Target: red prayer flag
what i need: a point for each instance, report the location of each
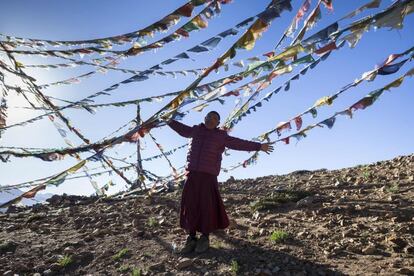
(327, 48)
(298, 122)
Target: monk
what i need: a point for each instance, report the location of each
(202, 209)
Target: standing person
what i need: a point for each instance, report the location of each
(202, 209)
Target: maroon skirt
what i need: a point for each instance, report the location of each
(202, 208)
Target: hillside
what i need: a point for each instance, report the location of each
(353, 221)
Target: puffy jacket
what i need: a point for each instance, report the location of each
(207, 146)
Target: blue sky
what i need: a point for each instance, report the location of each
(382, 131)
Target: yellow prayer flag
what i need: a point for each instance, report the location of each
(171, 19)
(76, 167)
(323, 101)
(19, 64)
(179, 99)
(248, 40)
(289, 52)
(258, 28)
(227, 55)
(200, 22)
(394, 84)
(284, 70)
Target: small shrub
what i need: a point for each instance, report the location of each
(278, 236)
(7, 246)
(278, 199)
(250, 238)
(395, 188)
(152, 222)
(217, 244)
(366, 174)
(123, 268)
(65, 261)
(146, 254)
(235, 267)
(136, 272)
(121, 254)
(35, 217)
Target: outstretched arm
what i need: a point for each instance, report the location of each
(240, 144)
(181, 128)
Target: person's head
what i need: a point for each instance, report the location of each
(212, 120)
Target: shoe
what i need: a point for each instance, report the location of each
(189, 246)
(203, 244)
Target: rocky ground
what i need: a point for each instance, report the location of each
(354, 221)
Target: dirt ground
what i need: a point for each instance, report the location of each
(353, 221)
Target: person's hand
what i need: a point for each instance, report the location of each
(267, 147)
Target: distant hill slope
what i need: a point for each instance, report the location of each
(9, 195)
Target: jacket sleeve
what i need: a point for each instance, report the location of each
(181, 129)
(240, 144)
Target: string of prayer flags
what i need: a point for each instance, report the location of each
(137, 48)
(392, 17)
(196, 23)
(112, 87)
(144, 75)
(85, 103)
(368, 100)
(237, 116)
(86, 100)
(77, 79)
(207, 45)
(328, 100)
(290, 52)
(162, 25)
(329, 122)
(36, 182)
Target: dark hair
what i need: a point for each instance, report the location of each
(215, 112)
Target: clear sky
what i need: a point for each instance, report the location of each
(382, 131)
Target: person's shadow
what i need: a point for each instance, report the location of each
(246, 257)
